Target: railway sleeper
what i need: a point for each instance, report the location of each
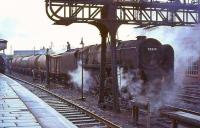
(191, 101)
(83, 121)
(191, 92)
(64, 108)
(188, 96)
(48, 98)
(72, 113)
(44, 97)
(79, 118)
(75, 116)
(187, 100)
(192, 87)
(37, 91)
(67, 111)
(54, 102)
(59, 105)
(93, 124)
(104, 126)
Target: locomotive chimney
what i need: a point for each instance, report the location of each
(141, 37)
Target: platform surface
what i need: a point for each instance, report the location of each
(19, 108)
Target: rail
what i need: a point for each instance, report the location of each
(78, 107)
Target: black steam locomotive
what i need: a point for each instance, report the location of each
(146, 58)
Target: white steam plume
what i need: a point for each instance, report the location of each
(129, 84)
(76, 78)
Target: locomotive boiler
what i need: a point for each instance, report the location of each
(147, 56)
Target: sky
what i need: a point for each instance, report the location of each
(25, 25)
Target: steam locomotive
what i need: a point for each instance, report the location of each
(145, 57)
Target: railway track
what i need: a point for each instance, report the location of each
(189, 98)
(187, 101)
(81, 117)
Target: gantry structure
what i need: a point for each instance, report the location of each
(108, 15)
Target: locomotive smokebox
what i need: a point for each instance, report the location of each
(141, 37)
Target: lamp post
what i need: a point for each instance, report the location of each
(82, 98)
(47, 65)
(34, 50)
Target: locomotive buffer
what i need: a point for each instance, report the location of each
(108, 15)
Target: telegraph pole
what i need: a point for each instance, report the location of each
(47, 67)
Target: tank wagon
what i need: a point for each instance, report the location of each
(146, 58)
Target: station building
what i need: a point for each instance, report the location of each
(29, 52)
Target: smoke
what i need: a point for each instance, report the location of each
(129, 84)
(76, 78)
(185, 42)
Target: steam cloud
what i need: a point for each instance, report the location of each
(76, 78)
(129, 84)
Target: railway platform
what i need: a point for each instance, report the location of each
(19, 108)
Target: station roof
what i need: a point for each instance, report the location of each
(3, 41)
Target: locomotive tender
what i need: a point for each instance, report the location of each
(147, 56)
